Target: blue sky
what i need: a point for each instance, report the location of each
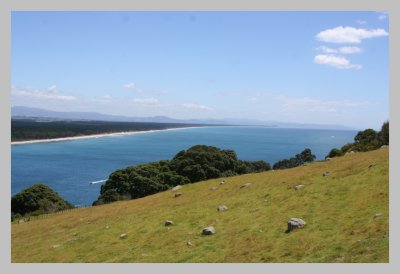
(307, 67)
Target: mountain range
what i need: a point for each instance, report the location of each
(18, 112)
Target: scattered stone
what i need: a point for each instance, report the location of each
(175, 188)
(265, 200)
(56, 246)
(122, 236)
(222, 182)
(326, 173)
(328, 159)
(384, 146)
(222, 208)
(189, 244)
(107, 227)
(351, 152)
(21, 221)
(377, 215)
(208, 230)
(213, 188)
(371, 165)
(177, 194)
(245, 185)
(168, 223)
(254, 210)
(298, 187)
(295, 223)
(261, 230)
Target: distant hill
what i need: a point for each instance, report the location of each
(346, 215)
(24, 112)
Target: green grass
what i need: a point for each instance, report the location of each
(339, 210)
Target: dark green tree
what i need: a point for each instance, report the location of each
(38, 199)
(383, 134)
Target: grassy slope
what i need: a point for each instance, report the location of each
(338, 209)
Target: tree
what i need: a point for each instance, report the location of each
(335, 153)
(38, 199)
(366, 140)
(303, 157)
(383, 135)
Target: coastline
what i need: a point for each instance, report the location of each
(72, 138)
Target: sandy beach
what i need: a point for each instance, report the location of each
(93, 136)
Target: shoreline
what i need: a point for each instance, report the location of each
(72, 138)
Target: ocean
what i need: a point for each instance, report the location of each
(70, 167)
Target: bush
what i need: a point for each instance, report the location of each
(303, 157)
(335, 153)
(37, 199)
(196, 164)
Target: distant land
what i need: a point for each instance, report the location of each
(18, 112)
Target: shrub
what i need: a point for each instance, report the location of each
(37, 199)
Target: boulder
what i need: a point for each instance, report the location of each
(56, 246)
(222, 208)
(175, 188)
(213, 188)
(245, 185)
(168, 223)
(189, 244)
(122, 236)
(384, 146)
(328, 159)
(295, 223)
(208, 230)
(177, 194)
(326, 173)
(222, 182)
(298, 187)
(377, 215)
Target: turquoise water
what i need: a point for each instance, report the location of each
(68, 167)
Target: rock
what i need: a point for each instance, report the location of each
(298, 187)
(107, 227)
(377, 215)
(254, 210)
(328, 159)
(213, 188)
(189, 244)
(222, 182)
(208, 230)
(245, 185)
(351, 152)
(168, 223)
(177, 194)
(122, 236)
(222, 208)
(384, 146)
(175, 188)
(371, 165)
(56, 246)
(295, 223)
(21, 221)
(326, 173)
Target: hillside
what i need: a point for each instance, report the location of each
(346, 212)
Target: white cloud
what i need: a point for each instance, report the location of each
(129, 86)
(252, 99)
(146, 101)
(196, 106)
(327, 50)
(349, 50)
(49, 93)
(382, 15)
(309, 104)
(361, 22)
(349, 35)
(52, 89)
(343, 50)
(338, 62)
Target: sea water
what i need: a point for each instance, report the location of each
(70, 167)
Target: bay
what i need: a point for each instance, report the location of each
(70, 166)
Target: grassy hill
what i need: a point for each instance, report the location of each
(339, 210)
